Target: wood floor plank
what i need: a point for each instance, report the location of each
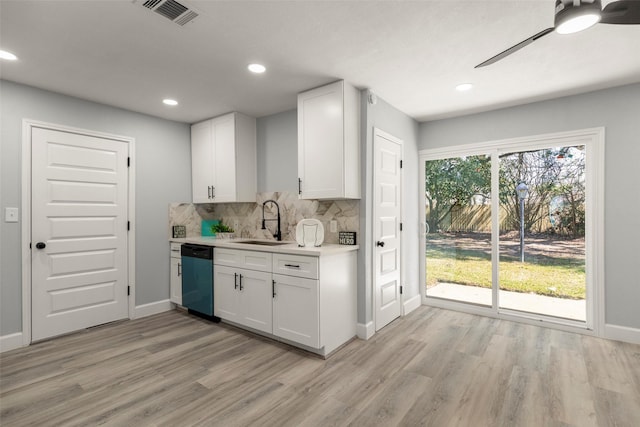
(431, 368)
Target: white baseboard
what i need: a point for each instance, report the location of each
(622, 333)
(152, 308)
(364, 332)
(11, 342)
(411, 304)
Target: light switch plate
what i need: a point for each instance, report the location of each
(11, 215)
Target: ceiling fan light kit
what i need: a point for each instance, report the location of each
(577, 15)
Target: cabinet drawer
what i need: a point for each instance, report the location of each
(296, 265)
(175, 250)
(250, 260)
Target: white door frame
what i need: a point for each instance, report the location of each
(27, 126)
(593, 138)
(377, 131)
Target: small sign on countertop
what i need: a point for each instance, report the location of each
(179, 231)
(347, 237)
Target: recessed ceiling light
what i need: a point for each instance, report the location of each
(464, 87)
(170, 102)
(7, 55)
(257, 68)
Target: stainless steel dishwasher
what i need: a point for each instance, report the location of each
(197, 280)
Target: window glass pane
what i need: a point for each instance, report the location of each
(542, 232)
(458, 224)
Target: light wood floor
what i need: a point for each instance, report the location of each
(433, 367)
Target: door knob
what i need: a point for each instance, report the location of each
(41, 245)
(381, 244)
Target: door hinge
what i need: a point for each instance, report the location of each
(128, 161)
(128, 225)
(400, 164)
(400, 226)
(129, 290)
(400, 290)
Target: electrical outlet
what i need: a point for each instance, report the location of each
(333, 226)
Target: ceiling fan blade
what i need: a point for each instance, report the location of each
(514, 48)
(621, 12)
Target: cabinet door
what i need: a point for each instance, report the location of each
(256, 300)
(320, 142)
(176, 281)
(202, 179)
(296, 310)
(224, 158)
(226, 298)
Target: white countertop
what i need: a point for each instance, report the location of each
(289, 248)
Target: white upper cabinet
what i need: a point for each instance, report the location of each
(223, 159)
(329, 142)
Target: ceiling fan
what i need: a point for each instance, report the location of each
(577, 15)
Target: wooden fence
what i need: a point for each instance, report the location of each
(477, 218)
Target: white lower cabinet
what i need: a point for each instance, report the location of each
(243, 296)
(296, 309)
(175, 286)
(309, 301)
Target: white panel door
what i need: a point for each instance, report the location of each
(387, 219)
(79, 231)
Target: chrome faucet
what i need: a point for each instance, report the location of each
(278, 234)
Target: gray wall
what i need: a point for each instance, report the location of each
(618, 110)
(277, 138)
(391, 120)
(163, 175)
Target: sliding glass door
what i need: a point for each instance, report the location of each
(511, 227)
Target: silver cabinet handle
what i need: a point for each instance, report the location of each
(208, 192)
(179, 269)
(213, 192)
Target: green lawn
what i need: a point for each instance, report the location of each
(558, 277)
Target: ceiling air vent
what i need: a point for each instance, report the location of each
(171, 9)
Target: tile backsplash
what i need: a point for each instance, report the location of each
(248, 216)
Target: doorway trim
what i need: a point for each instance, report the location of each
(27, 127)
(374, 300)
(595, 138)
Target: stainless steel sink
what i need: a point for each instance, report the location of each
(263, 242)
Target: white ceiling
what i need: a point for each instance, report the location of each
(411, 54)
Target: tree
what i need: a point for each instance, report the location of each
(548, 173)
(454, 181)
